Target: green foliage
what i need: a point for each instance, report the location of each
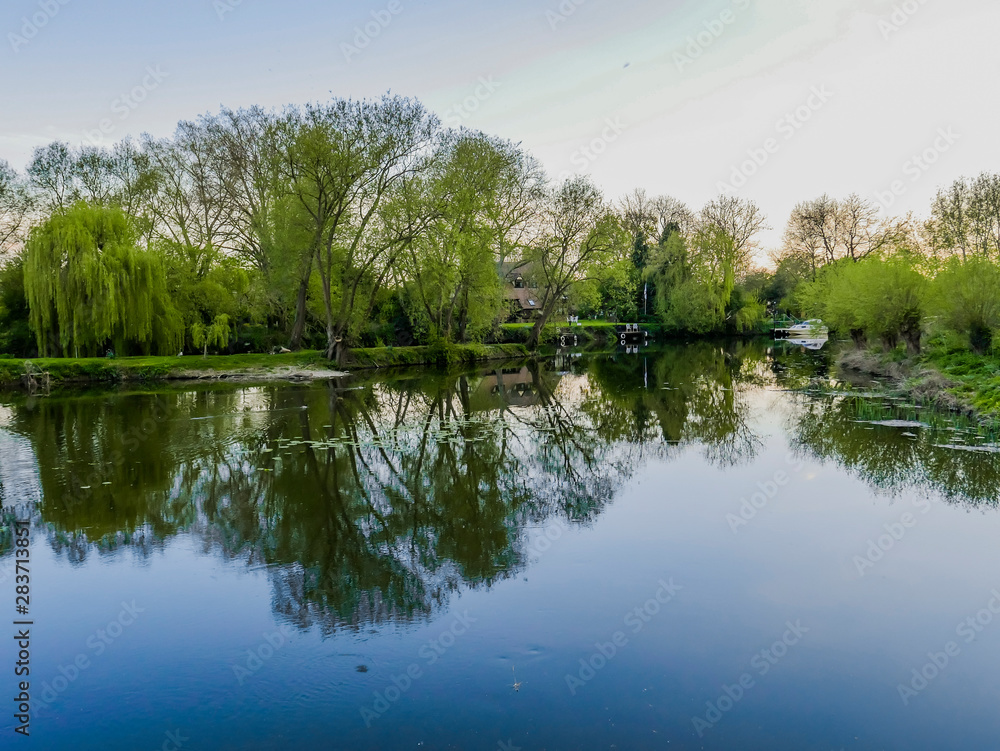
(454, 289)
(89, 286)
(884, 299)
(696, 285)
(205, 284)
(15, 333)
(966, 295)
(215, 334)
(747, 311)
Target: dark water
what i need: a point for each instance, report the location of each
(670, 550)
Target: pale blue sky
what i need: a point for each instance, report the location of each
(678, 119)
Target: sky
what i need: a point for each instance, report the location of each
(778, 101)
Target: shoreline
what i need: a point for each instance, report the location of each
(293, 367)
(920, 378)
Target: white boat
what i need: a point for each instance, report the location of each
(814, 329)
(814, 344)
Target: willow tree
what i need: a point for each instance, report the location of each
(90, 287)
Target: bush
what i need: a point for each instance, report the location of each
(966, 295)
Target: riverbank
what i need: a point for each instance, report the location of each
(956, 380)
(587, 332)
(295, 366)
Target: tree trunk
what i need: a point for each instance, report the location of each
(300, 316)
(980, 337)
(463, 318)
(911, 332)
(336, 351)
(535, 337)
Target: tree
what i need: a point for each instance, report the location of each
(187, 209)
(89, 286)
(825, 230)
(650, 221)
(463, 205)
(15, 332)
(884, 298)
(245, 150)
(215, 334)
(966, 294)
(697, 284)
(966, 216)
(52, 176)
(15, 207)
(578, 230)
(345, 161)
(738, 219)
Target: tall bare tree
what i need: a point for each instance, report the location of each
(738, 219)
(826, 229)
(15, 209)
(577, 229)
(345, 161)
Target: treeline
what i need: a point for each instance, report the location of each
(887, 282)
(367, 223)
(335, 225)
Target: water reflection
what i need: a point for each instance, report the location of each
(374, 500)
(901, 447)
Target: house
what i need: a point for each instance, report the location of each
(512, 387)
(520, 289)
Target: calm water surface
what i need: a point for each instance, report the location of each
(678, 549)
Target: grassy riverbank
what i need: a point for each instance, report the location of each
(948, 377)
(292, 366)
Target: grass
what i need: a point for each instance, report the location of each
(946, 374)
(100, 369)
(151, 368)
(975, 377)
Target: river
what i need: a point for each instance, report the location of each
(690, 547)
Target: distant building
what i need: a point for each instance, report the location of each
(520, 289)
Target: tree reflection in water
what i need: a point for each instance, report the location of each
(374, 499)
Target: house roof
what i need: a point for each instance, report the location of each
(527, 298)
(510, 270)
